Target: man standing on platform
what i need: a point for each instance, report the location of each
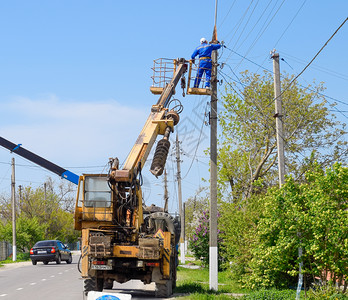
(204, 51)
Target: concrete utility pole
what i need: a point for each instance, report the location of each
(278, 116)
(213, 247)
(182, 241)
(165, 208)
(183, 230)
(13, 193)
(280, 146)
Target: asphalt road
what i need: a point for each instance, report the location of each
(23, 281)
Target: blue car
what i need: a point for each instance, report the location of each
(51, 250)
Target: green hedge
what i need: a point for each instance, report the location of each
(271, 295)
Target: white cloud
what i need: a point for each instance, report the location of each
(71, 132)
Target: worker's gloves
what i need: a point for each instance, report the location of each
(193, 61)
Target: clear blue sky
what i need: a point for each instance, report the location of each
(75, 75)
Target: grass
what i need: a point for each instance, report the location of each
(20, 257)
(194, 283)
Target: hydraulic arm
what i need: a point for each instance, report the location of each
(39, 160)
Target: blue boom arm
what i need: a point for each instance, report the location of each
(66, 174)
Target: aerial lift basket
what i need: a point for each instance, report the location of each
(163, 71)
(191, 90)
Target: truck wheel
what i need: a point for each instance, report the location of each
(108, 284)
(34, 262)
(93, 284)
(174, 277)
(164, 290)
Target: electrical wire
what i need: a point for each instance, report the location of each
(267, 123)
(199, 138)
(263, 31)
(240, 22)
(315, 56)
(259, 110)
(287, 27)
(270, 71)
(258, 20)
(316, 67)
(247, 22)
(227, 13)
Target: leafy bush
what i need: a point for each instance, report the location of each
(29, 231)
(200, 241)
(327, 291)
(311, 216)
(23, 256)
(271, 295)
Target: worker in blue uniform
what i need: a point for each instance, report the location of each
(204, 51)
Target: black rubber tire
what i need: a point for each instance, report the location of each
(45, 262)
(173, 276)
(108, 285)
(99, 284)
(69, 261)
(34, 262)
(58, 260)
(93, 284)
(164, 290)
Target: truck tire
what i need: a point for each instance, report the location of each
(93, 284)
(164, 290)
(173, 276)
(108, 284)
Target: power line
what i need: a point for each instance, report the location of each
(314, 57)
(270, 21)
(316, 67)
(240, 21)
(228, 13)
(252, 29)
(287, 27)
(321, 94)
(265, 119)
(247, 22)
(290, 23)
(200, 134)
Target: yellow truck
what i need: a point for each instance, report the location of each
(121, 239)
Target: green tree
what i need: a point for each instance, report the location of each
(247, 146)
(52, 207)
(28, 232)
(312, 216)
(199, 242)
(194, 208)
(239, 222)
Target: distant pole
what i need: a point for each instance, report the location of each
(45, 193)
(278, 116)
(184, 231)
(20, 197)
(13, 193)
(213, 247)
(165, 208)
(182, 242)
